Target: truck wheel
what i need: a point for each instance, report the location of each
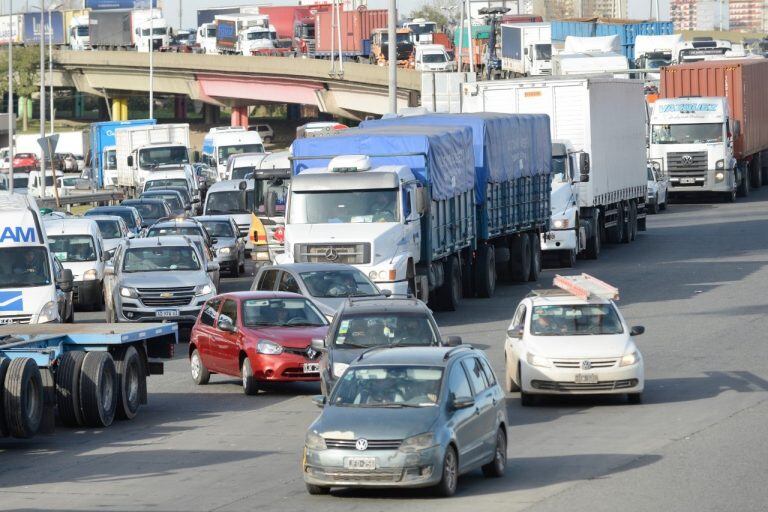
(450, 293)
(592, 251)
(485, 271)
(4, 363)
(535, 242)
(98, 389)
(468, 280)
(520, 258)
(631, 231)
(48, 423)
(755, 175)
(130, 373)
(68, 388)
(616, 233)
(567, 259)
(652, 207)
(23, 398)
(743, 188)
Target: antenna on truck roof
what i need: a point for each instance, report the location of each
(585, 286)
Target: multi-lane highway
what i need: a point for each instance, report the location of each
(697, 281)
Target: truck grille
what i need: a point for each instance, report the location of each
(154, 297)
(373, 444)
(352, 254)
(687, 164)
(593, 363)
(15, 319)
(607, 385)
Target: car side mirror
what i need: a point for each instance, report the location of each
(452, 341)
(195, 200)
(65, 282)
(386, 293)
(318, 344)
(462, 403)
(515, 332)
(109, 269)
(214, 240)
(225, 324)
(637, 330)
(129, 160)
(319, 400)
(212, 267)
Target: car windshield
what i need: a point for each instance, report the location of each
(229, 201)
(125, 214)
(239, 173)
(68, 182)
(356, 207)
(169, 155)
(72, 248)
(219, 229)
(22, 267)
(174, 231)
(575, 320)
(281, 312)
(150, 210)
(109, 229)
(388, 386)
(434, 58)
(226, 151)
(338, 283)
(687, 133)
(173, 200)
(165, 183)
(161, 258)
(386, 329)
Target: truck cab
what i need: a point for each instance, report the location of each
(692, 143)
(36, 186)
(421, 30)
(433, 58)
(153, 34)
(223, 142)
(255, 39)
(79, 34)
(206, 38)
(701, 49)
(380, 47)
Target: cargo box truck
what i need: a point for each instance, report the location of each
(143, 149)
(526, 50)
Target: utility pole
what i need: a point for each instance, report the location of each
(42, 91)
(50, 65)
(392, 55)
(10, 96)
(151, 68)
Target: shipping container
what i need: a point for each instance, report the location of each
(32, 28)
(520, 18)
(209, 15)
(579, 28)
(356, 28)
(627, 32)
(478, 32)
(285, 17)
(742, 82)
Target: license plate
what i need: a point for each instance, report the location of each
(586, 378)
(687, 181)
(311, 367)
(362, 463)
(6, 321)
(168, 313)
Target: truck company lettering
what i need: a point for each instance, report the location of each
(689, 107)
(17, 234)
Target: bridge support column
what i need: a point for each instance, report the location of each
(79, 105)
(239, 116)
(120, 109)
(180, 107)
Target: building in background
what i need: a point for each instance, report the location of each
(701, 14)
(747, 15)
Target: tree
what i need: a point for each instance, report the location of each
(26, 75)
(440, 12)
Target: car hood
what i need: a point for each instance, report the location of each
(580, 347)
(293, 337)
(224, 242)
(374, 423)
(111, 243)
(167, 279)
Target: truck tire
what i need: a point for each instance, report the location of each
(23, 398)
(616, 232)
(98, 389)
(520, 258)
(68, 388)
(468, 279)
(592, 252)
(755, 174)
(485, 271)
(130, 373)
(535, 243)
(567, 259)
(743, 189)
(48, 423)
(450, 293)
(631, 231)
(4, 363)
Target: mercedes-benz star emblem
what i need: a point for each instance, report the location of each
(331, 254)
(686, 160)
(586, 365)
(361, 444)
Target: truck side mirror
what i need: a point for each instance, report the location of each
(525, 51)
(736, 128)
(66, 280)
(271, 204)
(422, 200)
(196, 156)
(129, 160)
(583, 167)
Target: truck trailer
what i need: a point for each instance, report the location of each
(354, 32)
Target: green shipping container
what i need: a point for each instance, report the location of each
(478, 32)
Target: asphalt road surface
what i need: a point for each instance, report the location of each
(696, 280)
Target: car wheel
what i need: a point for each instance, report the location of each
(495, 468)
(200, 373)
(249, 383)
(318, 490)
(511, 385)
(267, 140)
(635, 398)
(527, 399)
(447, 485)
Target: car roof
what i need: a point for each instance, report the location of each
(114, 218)
(382, 305)
(225, 185)
(177, 223)
(556, 297)
(110, 208)
(145, 200)
(164, 191)
(262, 295)
(156, 241)
(309, 267)
(211, 218)
(70, 225)
(413, 356)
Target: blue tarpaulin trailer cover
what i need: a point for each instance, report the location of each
(506, 146)
(440, 157)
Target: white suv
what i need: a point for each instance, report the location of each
(265, 131)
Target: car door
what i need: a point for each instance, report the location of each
(514, 346)
(267, 281)
(485, 404)
(461, 421)
(227, 343)
(204, 329)
(288, 283)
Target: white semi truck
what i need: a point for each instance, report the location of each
(141, 149)
(599, 170)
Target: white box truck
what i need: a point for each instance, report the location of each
(599, 171)
(526, 49)
(141, 149)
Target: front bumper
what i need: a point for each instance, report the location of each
(132, 310)
(562, 381)
(559, 240)
(393, 468)
(284, 367)
(87, 293)
(703, 183)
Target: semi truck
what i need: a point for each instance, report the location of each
(708, 130)
(526, 49)
(352, 38)
(599, 173)
(230, 27)
(103, 150)
(143, 148)
(654, 52)
(124, 29)
(295, 23)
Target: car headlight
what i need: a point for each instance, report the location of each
(203, 289)
(269, 348)
(535, 360)
(339, 369)
(719, 176)
(314, 442)
(720, 164)
(560, 224)
(90, 275)
(630, 359)
(417, 443)
(224, 251)
(129, 293)
(48, 313)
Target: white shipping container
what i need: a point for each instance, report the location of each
(128, 140)
(603, 117)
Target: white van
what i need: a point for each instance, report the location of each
(33, 289)
(35, 186)
(78, 245)
(221, 143)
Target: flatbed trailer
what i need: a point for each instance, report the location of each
(88, 373)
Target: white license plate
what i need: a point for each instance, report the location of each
(362, 463)
(311, 367)
(168, 313)
(687, 181)
(586, 378)
(6, 321)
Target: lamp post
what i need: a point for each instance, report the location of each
(10, 96)
(151, 66)
(392, 57)
(42, 90)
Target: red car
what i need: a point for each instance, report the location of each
(257, 336)
(25, 161)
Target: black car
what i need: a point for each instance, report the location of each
(151, 210)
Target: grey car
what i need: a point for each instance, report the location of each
(327, 284)
(157, 279)
(408, 417)
(229, 246)
(374, 322)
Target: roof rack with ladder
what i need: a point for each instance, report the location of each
(585, 286)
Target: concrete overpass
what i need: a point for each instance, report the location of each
(237, 81)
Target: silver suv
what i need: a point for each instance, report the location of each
(157, 279)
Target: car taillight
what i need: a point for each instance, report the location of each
(279, 234)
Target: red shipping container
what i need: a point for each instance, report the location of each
(356, 26)
(284, 17)
(742, 82)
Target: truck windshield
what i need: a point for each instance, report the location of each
(229, 201)
(157, 259)
(306, 31)
(17, 183)
(110, 160)
(238, 149)
(72, 248)
(399, 38)
(657, 63)
(239, 173)
(110, 229)
(276, 186)
(252, 36)
(168, 155)
(559, 168)
(155, 32)
(687, 133)
(543, 51)
(82, 30)
(24, 267)
(575, 320)
(434, 58)
(356, 207)
(211, 32)
(426, 28)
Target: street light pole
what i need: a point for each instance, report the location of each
(151, 68)
(42, 91)
(10, 96)
(50, 65)
(392, 55)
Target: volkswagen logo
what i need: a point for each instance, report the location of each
(686, 160)
(331, 254)
(361, 444)
(586, 365)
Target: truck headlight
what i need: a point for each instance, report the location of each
(383, 275)
(535, 360)
(129, 293)
(314, 442)
(203, 289)
(656, 166)
(720, 164)
(48, 313)
(90, 275)
(418, 443)
(719, 176)
(269, 348)
(560, 224)
(630, 359)
(339, 369)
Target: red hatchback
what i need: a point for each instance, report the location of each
(25, 161)
(257, 336)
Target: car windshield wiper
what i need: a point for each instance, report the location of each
(300, 324)
(254, 324)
